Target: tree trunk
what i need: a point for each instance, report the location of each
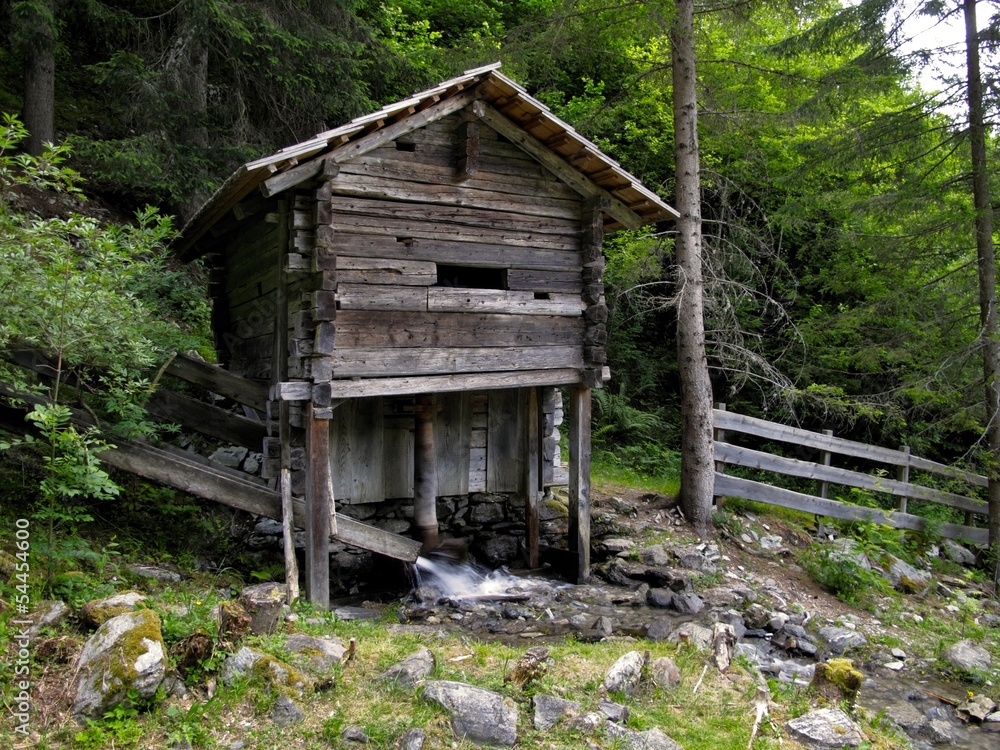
(697, 454)
(38, 39)
(987, 274)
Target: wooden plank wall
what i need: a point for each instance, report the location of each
(248, 301)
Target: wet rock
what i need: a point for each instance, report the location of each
(479, 715)
(263, 603)
(615, 712)
(837, 680)
(688, 603)
(604, 626)
(968, 656)
(101, 610)
(841, 640)
(651, 739)
(660, 629)
(157, 574)
(977, 707)
(907, 717)
(487, 513)
(827, 727)
(549, 710)
(285, 712)
(692, 634)
(355, 733)
(659, 597)
(664, 673)
(617, 572)
(500, 550)
(412, 739)
(904, 577)
(125, 654)
(938, 732)
(322, 653)
(411, 670)
(625, 674)
(47, 614)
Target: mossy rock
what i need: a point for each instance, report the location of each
(98, 612)
(260, 667)
(837, 680)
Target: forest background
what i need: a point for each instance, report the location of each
(840, 254)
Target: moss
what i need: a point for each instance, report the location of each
(99, 612)
(556, 507)
(276, 674)
(132, 646)
(837, 680)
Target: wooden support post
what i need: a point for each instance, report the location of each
(319, 502)
(720, 466)
(425, 472)
(579, 479)
(532, 472)
(903, 475)
(824, 490)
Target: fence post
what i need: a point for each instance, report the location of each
(903, 475)
(720, 467)
(824, 490)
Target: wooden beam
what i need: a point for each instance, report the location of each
(579, 479)
(326, 168)
(319, 504)
(220, 381)
(207, 419)
(555, 164)
(468, 141)
(532, 472)
(444, 383)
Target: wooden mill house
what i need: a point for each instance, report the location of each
(417, 287)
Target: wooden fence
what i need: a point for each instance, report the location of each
(901, 462)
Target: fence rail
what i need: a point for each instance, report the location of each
(902, 487)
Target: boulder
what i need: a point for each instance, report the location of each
(651, 739)
(157, 574)
(411, 670)
(692, 634)
(688, 603)
(664, 673)
(837, 680)
(655, 555)
(500, 550)
(47, 614)
(355, 733)
(321, 653)
(967, 656)
(904, 577)
(263, 602)
(659, 598)
(660, 629)
(549, 710)
(625, 674)
(976, 707)
(412, 739)
(842, 640)
(125, 654)
(285, 712)
(957, 553)
(478, 715)
(615, 712)
(249, 662)
(99, 611)
(827, 727)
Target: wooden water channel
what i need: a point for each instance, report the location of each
(901, 463)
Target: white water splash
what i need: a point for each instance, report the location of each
(462, 580)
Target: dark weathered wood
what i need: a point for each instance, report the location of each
(386, 271)
(356, 451)
(425, 485)
(764, 493)
(397, 466)
(219, 381)
(319, 510)
(532, 280)
(737, 456)
(445, 383)
(389, 298)
(452, 438)
(449, 299)
(579, 479)
(555, 164)
(532, 484)
(784, 433)
(468, 162)
(356, 329)
(430, 361)
(474, 254)
(207, 419)
(505, 442)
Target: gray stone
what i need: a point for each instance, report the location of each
(355, 733)
(481, 716)
(616, 545)
(274, 672)
(588, 723)
(827, 727)
(411, 670)
(126, 653)
(157, 574)
(615, 712)
(264, 603)
(625, 674)
(977, 707)
(660, 597)
(655, 555)
(356, 613)
(692, 634)
(939, 732)
(47, 614)
(412, 739)
(841, 640)
(735, 620)
(651, 739)
(604, 625)
(771, 542)
(904, 577)
(549, 710)
(957, 553)
(285, 712)
(688, 603)
(968, 656)
(269, 527)
(322, 652)
(660, 630)
(252, 463)
(394, 525)
(487, 513)
(664, 673)
(499, 550)
(239, 664)
(101, 610)
(846, 549)
(907, 716)
(230, 455)
(756, 617)
(696, 561)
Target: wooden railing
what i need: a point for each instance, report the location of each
(902, 488)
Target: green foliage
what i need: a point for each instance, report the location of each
(841, 573)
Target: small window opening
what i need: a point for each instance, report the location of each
(542, 295)
(470, 277)
(411, 147)
(502, 139)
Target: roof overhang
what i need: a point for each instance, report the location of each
(505, 106)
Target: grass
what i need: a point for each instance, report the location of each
(606, 471)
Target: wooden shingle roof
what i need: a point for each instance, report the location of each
(506, 107)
